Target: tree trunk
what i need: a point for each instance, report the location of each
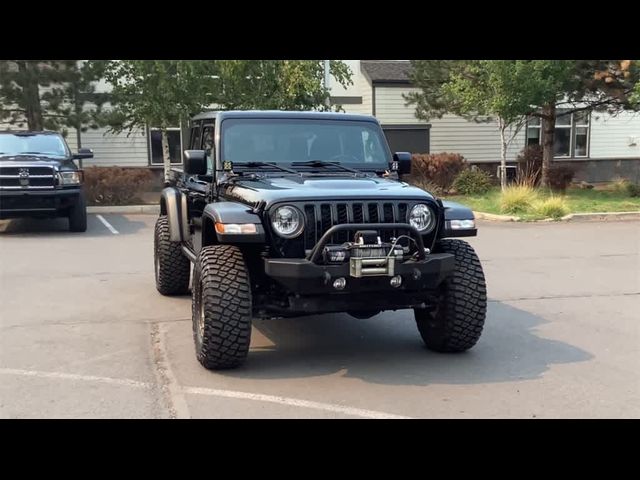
(31, 96)
(548, 125)
(165, 155)
(503, 154)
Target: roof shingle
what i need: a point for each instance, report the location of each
(396, 71)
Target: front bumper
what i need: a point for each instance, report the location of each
(312, 291)
(301, 276)
(25, 203)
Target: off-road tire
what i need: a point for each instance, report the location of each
(78, 215)
(172, 268)
(221, 307)
(457, 322)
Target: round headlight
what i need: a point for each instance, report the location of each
(421, 218)
(287, 221)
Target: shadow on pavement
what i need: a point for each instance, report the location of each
(387, 349)
(59, 227)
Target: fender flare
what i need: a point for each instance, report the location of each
(230, 212)
(456, 211)
(173, 204)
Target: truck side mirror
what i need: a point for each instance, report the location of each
(195, 162)
(401, 163)
(83, 153)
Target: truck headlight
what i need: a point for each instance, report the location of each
(421, 217)
(287, 221)
(70, 178)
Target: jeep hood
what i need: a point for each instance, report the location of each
(295, 188)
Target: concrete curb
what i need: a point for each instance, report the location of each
(496, 218)
(572, 217)
(126, 209)
(602, 217)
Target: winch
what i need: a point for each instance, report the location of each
(367, 255)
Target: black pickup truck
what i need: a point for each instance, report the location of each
(295, 213)
(39, 178)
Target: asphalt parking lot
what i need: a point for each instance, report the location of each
(84, 334)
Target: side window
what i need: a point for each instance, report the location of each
(194, 143)
(207, 146)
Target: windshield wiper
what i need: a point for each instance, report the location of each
(322, 163)
(265, 164)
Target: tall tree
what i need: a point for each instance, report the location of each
(160, 92)
(479, 90)
(50, 94)
(275, 84)
(549, 85)
(156, 93)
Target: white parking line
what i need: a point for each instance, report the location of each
(212, 392)
(107, 224)
(72, 376)
(293, 402)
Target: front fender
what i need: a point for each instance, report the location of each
(173, 204)
(457, 211)
(231, 213)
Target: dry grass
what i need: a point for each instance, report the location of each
(517, 199)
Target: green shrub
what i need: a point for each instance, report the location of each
(560, 177)
(552, 207)
(517, 199)
(472, 181)
(633, 189)
(440, 169)
(115, 185)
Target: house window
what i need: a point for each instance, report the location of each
(571, 135)
(155, 145)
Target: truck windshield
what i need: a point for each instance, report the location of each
(355, 144)
(32, 144)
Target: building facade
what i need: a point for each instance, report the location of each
(601, 146)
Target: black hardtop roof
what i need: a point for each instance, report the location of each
(310, 115)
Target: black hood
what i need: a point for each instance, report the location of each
(292, 188)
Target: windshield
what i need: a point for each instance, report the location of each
(32, 144)
(285, 141)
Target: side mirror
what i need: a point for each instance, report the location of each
(195, 162)
(83, 153)
(401, 163)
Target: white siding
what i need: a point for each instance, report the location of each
(390, 106)
(611, 135)
(477, 142)
(360, 88)
(116, 150)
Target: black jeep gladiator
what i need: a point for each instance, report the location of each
(38, 178)
(296, 213)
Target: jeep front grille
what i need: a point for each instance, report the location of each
(26, 177)
(320, 217)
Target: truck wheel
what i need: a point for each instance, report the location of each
(171, 266)
(78, 215)
(456, 323)
(221, 307)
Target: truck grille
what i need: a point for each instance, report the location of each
(320, 217)
(26, 177)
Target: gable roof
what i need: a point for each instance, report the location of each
(386, 71)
